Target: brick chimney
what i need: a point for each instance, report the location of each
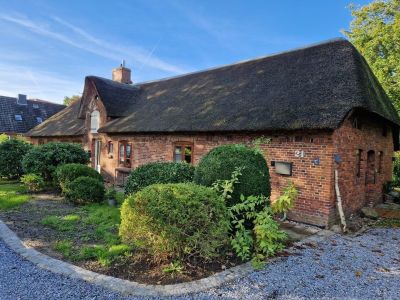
(21, 99)
(122, 74)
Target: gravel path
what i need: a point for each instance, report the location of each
(364, 267)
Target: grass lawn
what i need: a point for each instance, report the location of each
(392, 223)
(89, 233)
(87, 236)
(11, 194)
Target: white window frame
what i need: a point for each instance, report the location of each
(94, 121)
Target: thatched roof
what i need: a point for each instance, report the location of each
(310, 88)
(64, 123)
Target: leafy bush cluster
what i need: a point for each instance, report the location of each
(158, 172)
(44, 159)
(175, 221)
(285, 201)
(11, 154)
(85, 190)
(229, 201)
(33, 182)
(221, 162)
(65, 174)
(264, 239)
(80, 184)
(3, 137)
(255, 234)
(396, 169)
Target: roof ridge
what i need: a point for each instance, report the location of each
(32, 100)
(312, 45)
(309, 46)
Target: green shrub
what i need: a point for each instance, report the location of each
(3, 137)
(11, 154)
(67, 173)
(33, 182)
(221, 162)
(255, 234)
(85, 190)
(158, 172)
(175, 220)
(44, 159)
(286, 200)
(396, 169)
(263, 239)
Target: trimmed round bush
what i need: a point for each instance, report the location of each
(158, 172)
(44, 159)
(67, 173)
(11, 154)
(220, 163)
(85, 190)
(175, 220)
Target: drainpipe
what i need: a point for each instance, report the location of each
(339, 199)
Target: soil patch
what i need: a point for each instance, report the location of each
(27, 222)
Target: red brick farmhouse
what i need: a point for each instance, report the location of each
(321, 106)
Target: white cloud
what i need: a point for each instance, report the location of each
(36, 83)
(81, 39)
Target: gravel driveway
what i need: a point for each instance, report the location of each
(363, 267)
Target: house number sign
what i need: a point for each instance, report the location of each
(299, 153)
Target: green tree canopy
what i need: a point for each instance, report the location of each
(375, 32)
(68, 100)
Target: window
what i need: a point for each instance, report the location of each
(18, 118)
(35, 105)
(183, 152)
(125, 154)
(298, 138)
(371, 172)
(356, 123)
(94, 121)
(110, 148)
(39, 120)
(358, 162)
(380, 162)
(384, 130)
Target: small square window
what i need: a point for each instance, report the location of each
(18, 118)
(39, 119)
(183, 152)
(35, 105)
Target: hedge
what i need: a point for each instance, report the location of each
(221, 162)
(44, 159)
(11, 154)
(67, 173)
(85, 190)
(158, 172)
(175, 220)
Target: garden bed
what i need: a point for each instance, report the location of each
(87, 236)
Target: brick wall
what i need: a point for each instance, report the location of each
(315, 204)
(359, 189)
(311, 152)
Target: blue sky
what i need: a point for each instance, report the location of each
(48, 47)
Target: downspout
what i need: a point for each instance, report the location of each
(339, 200)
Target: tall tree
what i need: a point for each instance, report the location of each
(69, 100)
(375, 32)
